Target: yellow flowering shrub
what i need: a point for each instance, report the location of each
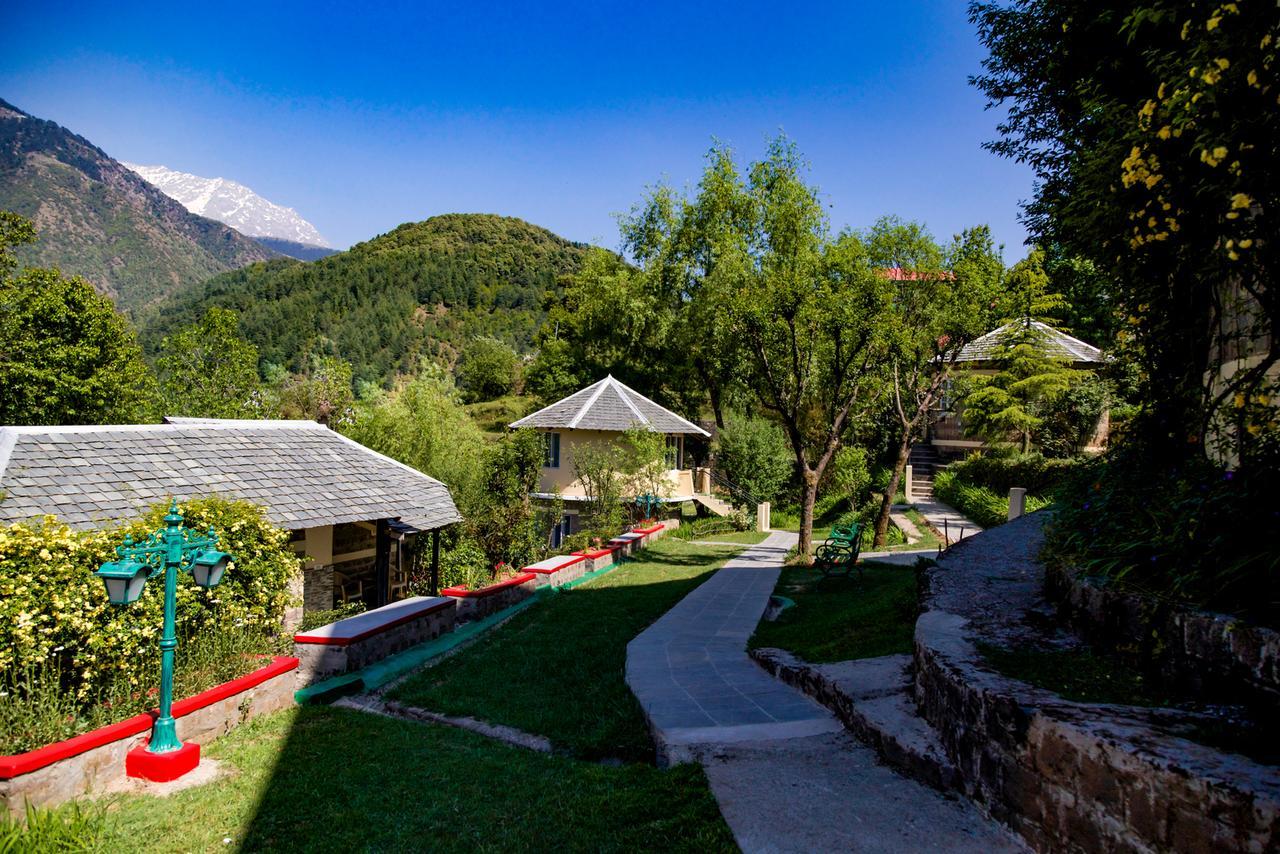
(54, 613)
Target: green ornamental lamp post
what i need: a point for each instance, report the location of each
(170, 549)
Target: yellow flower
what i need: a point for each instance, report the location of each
(1240, 200)
(1245, 244)
(1212, 24)
(1252, 78)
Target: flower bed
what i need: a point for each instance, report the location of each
(94, 760)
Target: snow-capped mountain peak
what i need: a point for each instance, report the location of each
(231, 203)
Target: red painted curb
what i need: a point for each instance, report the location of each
(318, 639)
(461, 593)
(33, 760)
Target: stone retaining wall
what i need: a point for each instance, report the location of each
(93, 762)
(477, 604)
(1084, 777)
(321, 657)
(1213, 655)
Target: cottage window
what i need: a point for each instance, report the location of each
(675, 452)
(552, 460)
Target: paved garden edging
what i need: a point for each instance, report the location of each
(356, 642)
(1211, 654)
(92, 761)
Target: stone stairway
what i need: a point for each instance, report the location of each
(713, 503)
(925, 464)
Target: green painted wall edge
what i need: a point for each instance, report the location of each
(375, 676)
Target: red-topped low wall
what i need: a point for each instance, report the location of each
(92, 761)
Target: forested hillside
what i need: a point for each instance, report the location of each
(100, 220)
(420, 290)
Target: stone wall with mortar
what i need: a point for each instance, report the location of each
(1214, 655)
(94, 770)
(490, 600)
(1085, 777)
(317, 661)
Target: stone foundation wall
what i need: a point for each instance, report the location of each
(1213, 655)
(97, 768)
(317, 588)
(318, 661)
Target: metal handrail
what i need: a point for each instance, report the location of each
(732, 488)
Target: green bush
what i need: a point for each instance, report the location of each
(1196, 533)
(68, 656)
(54, 612)
(982, 504)
(753, 454)
(1001, 472)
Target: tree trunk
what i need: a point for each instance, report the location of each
(716, 407)
(805, 547)
(886, 505)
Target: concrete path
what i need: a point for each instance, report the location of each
(691, 673)
(831, 793)
(948, 521)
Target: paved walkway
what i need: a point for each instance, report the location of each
(948, 521)
(691, 673)
(785, 773)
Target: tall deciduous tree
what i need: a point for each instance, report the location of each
(808, 309)
(207, 370)
(942, 300)
(66, 355)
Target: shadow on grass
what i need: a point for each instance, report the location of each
(558, 669)
(325, 779)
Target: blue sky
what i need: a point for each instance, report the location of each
(364, 116)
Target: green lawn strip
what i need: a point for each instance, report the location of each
(750, 538)
(326, 779)
(557, 669)
(838, 619)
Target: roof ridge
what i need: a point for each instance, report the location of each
(623, 392)
(663, 408)
(603, 384)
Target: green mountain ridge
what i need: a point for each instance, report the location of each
(99, 220)
(420, 290)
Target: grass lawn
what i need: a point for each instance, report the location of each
(325, 779)
(746, 537)
(838, 619)
(556, 669)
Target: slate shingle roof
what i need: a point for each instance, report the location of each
(1056, 342)
(303, 473)
(609, 405)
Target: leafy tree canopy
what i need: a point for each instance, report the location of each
(207, 370)
(488, 368)
(66, 355)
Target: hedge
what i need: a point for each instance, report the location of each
(54, 613)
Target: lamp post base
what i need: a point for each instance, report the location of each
(161, 767)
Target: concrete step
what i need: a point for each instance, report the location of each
(872, 698)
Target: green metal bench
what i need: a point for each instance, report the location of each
(839, 554)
